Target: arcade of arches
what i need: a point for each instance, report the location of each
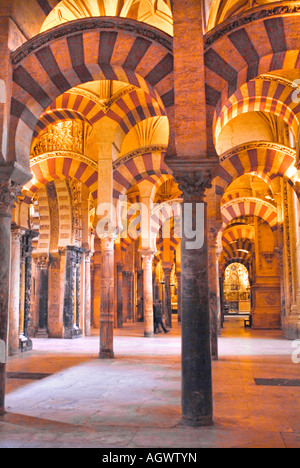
(153, 102)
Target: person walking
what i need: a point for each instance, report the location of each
(158, 318)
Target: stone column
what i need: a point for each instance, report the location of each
(107, 300)
(56, 293)
(167, 273)
(72, 293)
(120, 295)
(148, 293)
(130, 298)
(42, 299)
(178, 276)
(197, 406)
(27, 249)
(8, 195)
(14, 302)
(88, 304)
(197, 401)
(214, 289)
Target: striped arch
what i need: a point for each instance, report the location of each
(234, 233)
(265, 94)
(86, 50)
(239, 247)
(128, 110)
(249, 207)
(167, 211)
(54, 168)
(244, 260)
(131, 171)
(264, 159)
(173, 243)
(52, 117)
(257, 43)
(227, 258)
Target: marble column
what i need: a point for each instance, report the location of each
(27, 249)
(214, 290)
(87, 291)
(179, 306)
(8, 195)
(42, 293)
(148, 294)
(167, 273)
(120, 295)
(107, 300)
(14, 302)
(197, 401)
(72, 293)
(130, 297)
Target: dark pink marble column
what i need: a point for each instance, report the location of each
(8, 195)
(197, 400)
(14, 303)
(107, 300)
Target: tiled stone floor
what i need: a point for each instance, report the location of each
(134, 401)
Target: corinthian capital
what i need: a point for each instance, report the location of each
(193, 177)
(9, 192)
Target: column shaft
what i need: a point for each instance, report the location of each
(14, 303)
(8, 195)
(119, 295)
(148, 295)
(197, 404)
(88, 305)
(107, 300)
(168, 317)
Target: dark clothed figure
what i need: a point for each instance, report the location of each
(158, 318)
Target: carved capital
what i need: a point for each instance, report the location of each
(88, 256)
(193, 177)
(16, 234)
(9, 192)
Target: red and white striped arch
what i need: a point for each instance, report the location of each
(249, 207)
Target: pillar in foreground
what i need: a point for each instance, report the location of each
(148, 293)
(8, 196)
(14, 302)
(214, 288)
(197, 401)
(167, 267)
(120, 295)
(88, 295)
(107, 300)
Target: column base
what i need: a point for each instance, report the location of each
(72, 334)
(148, 334)
(41, 333)
(106, 354)
(201, 422)
(25, 344)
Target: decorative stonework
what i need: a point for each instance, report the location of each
(193, 185)
(280, 80)
(90, 24)
(260, 13)
(9, 192)
(258, 145)
(63, 154)
(103, 103)
(63, 136)
(139, 152)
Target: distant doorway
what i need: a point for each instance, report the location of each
(236, 290)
